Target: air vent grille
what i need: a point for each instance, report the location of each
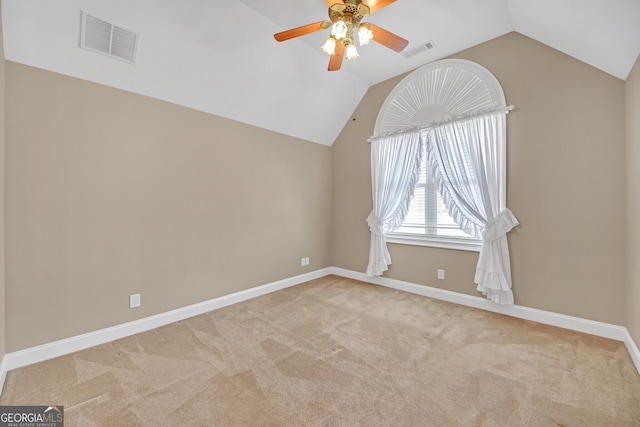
(98, 35)
(422, 48)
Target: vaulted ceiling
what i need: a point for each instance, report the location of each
(220, 57)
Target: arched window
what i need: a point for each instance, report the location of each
(436, 92)
(438, 169)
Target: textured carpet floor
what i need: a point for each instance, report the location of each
(337, 352)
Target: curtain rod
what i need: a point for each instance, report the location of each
(458, 118)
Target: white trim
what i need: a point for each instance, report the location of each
(69, 345)
(457, 243)
(634, 352)
(563, 321)
(43, 352)
(3, 372)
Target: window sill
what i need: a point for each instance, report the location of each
(460, 244)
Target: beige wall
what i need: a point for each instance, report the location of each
(633, 201)
(566, 144)
(2, 136)
(110, 194)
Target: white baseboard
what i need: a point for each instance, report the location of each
(3, 371)
(69, 345)
(633, 351)
(606, 330)
(80, 342)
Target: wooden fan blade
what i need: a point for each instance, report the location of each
(332, 2)
(387, 38)
(301, 31)
(335, 62)
(375, 5)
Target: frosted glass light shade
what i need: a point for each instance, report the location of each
(339, 30)
(364, 35)
(329, 46)
(352, 52)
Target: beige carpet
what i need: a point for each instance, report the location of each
(337, 352)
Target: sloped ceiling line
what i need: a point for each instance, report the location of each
(221, 58)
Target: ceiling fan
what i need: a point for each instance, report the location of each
(345, 20)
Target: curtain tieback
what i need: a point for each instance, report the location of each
(374, 225)
(499, 226)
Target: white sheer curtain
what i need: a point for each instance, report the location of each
(467, 159)
(395, 168)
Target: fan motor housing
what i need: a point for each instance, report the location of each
(351, 11)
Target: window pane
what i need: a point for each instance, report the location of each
(428, 214)
(414, 223)
(446, 225)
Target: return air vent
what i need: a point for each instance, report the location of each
(422, 48)
(100, 36)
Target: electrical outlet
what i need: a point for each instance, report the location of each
(440, 274)
(304, 261)
(134, 301)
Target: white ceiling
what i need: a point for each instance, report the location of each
(220, 56)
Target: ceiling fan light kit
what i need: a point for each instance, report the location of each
(365, 35)
(329, 46)
(346, 17)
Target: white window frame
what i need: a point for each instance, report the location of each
(433, 240)
(413, 102)
(457, 243)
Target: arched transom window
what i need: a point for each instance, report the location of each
(438, 92)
